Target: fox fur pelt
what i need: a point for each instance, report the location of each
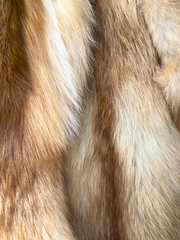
(89, 120)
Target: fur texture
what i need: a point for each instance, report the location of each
(123, 176)
(88, 149)
(39, 105)
(163, 21)
(168, 78)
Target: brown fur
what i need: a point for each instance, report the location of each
(38, 113)
(123, 175)
(163, 21)
(121, 172)
(168, 78)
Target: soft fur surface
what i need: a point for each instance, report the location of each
(163, 22)
(89, 141)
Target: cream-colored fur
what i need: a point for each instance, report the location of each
(40, 97)
(123, 175)
(163, 21)
(88, 148)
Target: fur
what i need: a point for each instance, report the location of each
(88, 147)
(39, 105)
(163, 21)
(123, 175)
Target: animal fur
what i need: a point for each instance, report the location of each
(88, 149)
(163, 21)
(168, 78)
(123, 175)
(39, 105)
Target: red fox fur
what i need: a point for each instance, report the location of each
(89, 140)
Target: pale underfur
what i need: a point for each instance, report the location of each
(75, 21)
(163, 21)
(32, 198)
(147, 166)
(88, 147)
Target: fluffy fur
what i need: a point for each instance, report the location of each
(168, 78)
(109, 156)
(163, 21)
(123, 175)
(39, 105)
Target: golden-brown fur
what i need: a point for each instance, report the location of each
(115, 141)
(163, 21)
(168, 78)
(39, 105)
(123, 175)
